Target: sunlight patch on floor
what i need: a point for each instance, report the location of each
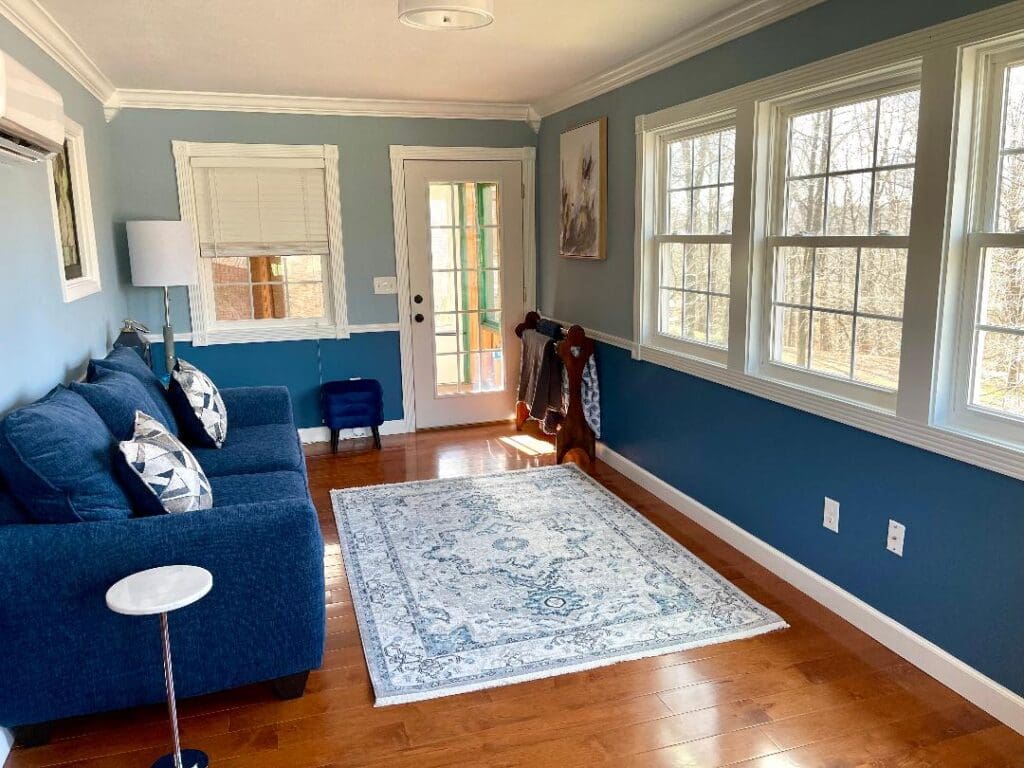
(529, 445)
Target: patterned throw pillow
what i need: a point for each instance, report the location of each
(198, 405)
(166, 467)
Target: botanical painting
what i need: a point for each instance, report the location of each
(65, 212)
(584, 186)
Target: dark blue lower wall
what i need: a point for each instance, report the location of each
(301, 366)
(767, 468)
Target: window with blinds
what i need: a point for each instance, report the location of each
(264, 231)
(267, 254)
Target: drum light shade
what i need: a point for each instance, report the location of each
(162, 253)
(458, 14)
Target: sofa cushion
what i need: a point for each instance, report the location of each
(127, 360)
(169, 477)
(116, 396)
(247, 450)
(197, 406)
(266, 486)
(11, 512)
(57, 457)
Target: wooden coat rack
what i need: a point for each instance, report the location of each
(574, 440)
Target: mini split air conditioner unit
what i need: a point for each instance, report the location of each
(31, 115)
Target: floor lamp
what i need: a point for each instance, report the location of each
(163, 255)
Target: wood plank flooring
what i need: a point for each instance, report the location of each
(818, 694)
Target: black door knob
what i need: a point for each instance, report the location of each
(418, 317)
(418, 299)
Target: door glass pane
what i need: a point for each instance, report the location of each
(465, 241)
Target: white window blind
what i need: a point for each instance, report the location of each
(251, 211)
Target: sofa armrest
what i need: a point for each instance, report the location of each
(254, 406)
(64, 653)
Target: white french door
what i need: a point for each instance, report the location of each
(465, 230)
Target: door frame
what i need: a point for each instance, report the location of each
(527, 157)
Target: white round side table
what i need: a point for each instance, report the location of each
(160, 591)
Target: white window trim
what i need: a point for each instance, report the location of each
(978, 132)
(778, 111)
(651, 152)
(936, 230)
(205, 329)
(90, 282)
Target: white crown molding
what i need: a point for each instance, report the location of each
(128, 98)
(40, 27)
(720, 29)
(35, 22)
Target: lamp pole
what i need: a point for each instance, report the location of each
(168, 332)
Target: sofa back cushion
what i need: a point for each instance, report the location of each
(57, 456)
(127, 360)
(116, 396)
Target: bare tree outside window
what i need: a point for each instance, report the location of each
(849, 173)
(693, 301)
(998, 374)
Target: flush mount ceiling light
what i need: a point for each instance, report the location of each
(457, 14)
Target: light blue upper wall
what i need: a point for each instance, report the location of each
(600, 294)
(147, 187)
(44, 340)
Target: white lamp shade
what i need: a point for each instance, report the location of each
(162, 253)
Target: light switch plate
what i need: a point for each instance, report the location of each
(831, 517)
(894, 542)
(385, 285)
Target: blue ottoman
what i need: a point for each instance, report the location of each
(351, 404)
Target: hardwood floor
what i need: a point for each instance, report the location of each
(818, 694)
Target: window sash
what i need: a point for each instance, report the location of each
(962, 412)
(905, 78)
(652, 247)
(772, 366)
(965, 413)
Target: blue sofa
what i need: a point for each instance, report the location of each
(66, 536)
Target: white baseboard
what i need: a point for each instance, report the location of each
(999, 701)
(6, 742)
(323, 434)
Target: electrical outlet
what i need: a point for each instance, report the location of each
(385, 285)
(831, 520)
(894, 542)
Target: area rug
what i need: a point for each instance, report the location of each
(476, 582)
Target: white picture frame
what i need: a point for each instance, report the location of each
(73, 225)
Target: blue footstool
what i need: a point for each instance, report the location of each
(351, 404)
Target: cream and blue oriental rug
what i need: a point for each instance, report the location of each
(476, 582)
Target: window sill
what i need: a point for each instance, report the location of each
(255, 335)
(74, 290)
(943, 440)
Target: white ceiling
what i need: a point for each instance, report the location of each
(358, 49)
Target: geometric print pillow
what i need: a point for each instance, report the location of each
(166, 467)
(199, 405)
